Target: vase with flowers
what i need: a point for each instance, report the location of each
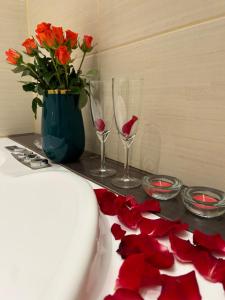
(61, 89)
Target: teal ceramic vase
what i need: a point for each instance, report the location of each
(63, 138)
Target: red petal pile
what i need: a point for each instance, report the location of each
(156, 254)
(125, 207)
(210, 267)
(143, 255)
(149, 206)
(209, 242)
(161, 227)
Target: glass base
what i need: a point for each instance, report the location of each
(126, 183)
(102, 172)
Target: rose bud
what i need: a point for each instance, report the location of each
(71, 37)
(42, 27)
(58, 35)
(30, 45)
(13, 57)
(62, 54)
(87, 43)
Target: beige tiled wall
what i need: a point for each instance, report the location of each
(15, 104)
(178, 47)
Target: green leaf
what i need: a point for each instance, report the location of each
(75, 90)
(83, 99)
(27, 72)
(29, 87)
(40, 90)
(18, 69)
(49, 76)
(35, 103)
(34, 107)
(39, 102)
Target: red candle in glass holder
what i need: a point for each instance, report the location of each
(206, 199)
(161, 183)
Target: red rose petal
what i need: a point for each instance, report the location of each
(124, 294)
(136, 273)
(161, 227)
(107, 201)
(149, 206)
(100, 125)
(156, 254)
(151, 276)
(209, 242)
(130, 201)
(117, 231)
(183, 287)
(130, 217)
(183, 249)
(131, 272)
(211, 268)
(127, 127)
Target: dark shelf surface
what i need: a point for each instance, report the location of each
(171, 209)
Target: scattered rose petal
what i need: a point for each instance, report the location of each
(130, 217)
(100, 125)
(209, 242)
(136, 273)
(149, 206)
(151, 276)
(127, 127)
(124, 294)
(117, 231)
(130, 201)
(183, 249)
(161, 227)
(131, 272)
(183, 287)
(210, 267)
(107, 201)
(156, 254)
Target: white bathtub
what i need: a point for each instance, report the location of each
(49, 234)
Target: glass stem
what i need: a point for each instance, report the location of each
(126, 162)
(102, 154)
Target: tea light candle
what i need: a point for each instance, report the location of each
(161, 187)
(204, 198)
(204, 201)
(161, 183)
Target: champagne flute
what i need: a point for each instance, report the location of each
(126, 96)
(102, 116)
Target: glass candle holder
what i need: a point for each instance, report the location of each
(161, 187)
(204, 201)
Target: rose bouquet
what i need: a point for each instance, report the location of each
(52, 67)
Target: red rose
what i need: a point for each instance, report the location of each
(42, 27)
(72, 38)
(46, 38)
(58, 35)
(62, 54)
(30, 45)
(87, 43)
(13, 57)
